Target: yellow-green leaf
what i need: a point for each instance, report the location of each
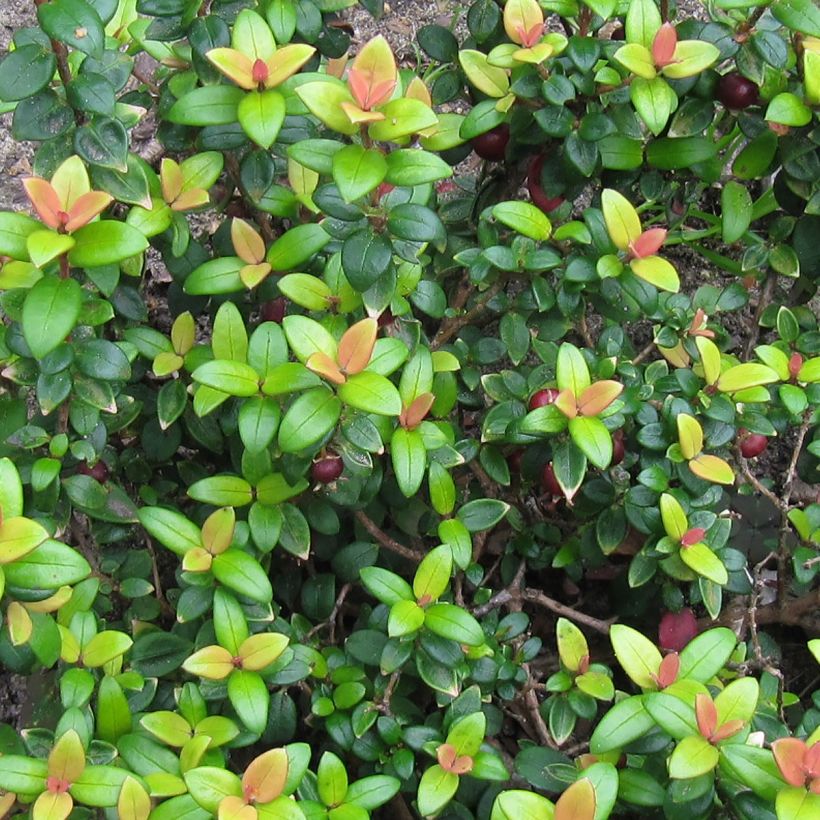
(690, 435)
(622, 221)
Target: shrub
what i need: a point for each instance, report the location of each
(344, 468)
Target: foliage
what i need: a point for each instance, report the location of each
(374, 498)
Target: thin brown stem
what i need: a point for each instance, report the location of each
(449, 327)
(385, 540)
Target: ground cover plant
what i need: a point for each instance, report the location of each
(433, 438)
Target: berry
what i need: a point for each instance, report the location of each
(677, 629)
(736, 92)
(385, 318)
(327, 469)
(541, 398)
(98, 471)
(274, 311)
(549, 480)
(492, 144)
(537, 193)
(618, 448)
(752, 444)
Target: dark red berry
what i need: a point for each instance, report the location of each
(677, 629)
(274, 310)
(752, 444)
(618, 448)
(549, 480)
(99, 471)
(541, 398)
(618, 34)
(492, 144)
(383, 190)
(327, 469)
(514, 461)
(537, 194)
(386, 318)
(736, 91)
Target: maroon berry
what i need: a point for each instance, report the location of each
(752, 444)
(274, 310)
(541, 398)
(736, 91)
(677, 629)
(514, 460)
(327, 469)
(492, 144)
(98, 471)
(549, 480)
(537, 194)
(618, 34)
(618, 448)
(385, 318)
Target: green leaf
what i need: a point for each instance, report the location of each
(210, 105)
(571, 370)
(436, 789)
(371, 792)
(433, 575)
(309, 419)
(788, 109)
(409, 457)
(489, 79)
(693, 757)
(516, 804)
(172, 529)
(331, 779)
(402, 117)
(406, 618)
(243, 574)
(674, 716)
(526, 219)
(227, 376)
(258, 423)
(654, 101)
(50, 312)
(416, 223)
(371, 393)
(736, 210)
(706, 654)
(261, 114)
(101, 359)
(593, 439)
(249, 696)
(702, 560)
(75, 23)
(453, 622)
(467, 733)
(105, 243)
(638, 656)
(388, 587)
(99, 786)
(752, 766)
(208, 785)
(738, 700)
(14, 231)
(222, 491)
(800, 15)
(669, 153)
(411, 166)
(357, 171)
(643, 19)
(103, 142)
(623, 723)
(482, 514)
(25, 71)
(215, 277)
(296, 246)
(23, 775)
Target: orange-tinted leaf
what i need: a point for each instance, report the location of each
(336, 66)
(663, 46)
(134, 802)
(373, 75)
(567, 404)
(417, 90)
(235, 808)
(577, 802)
(170, 177)
(668, 670)
(86, 208)
(789, 754)
(812, 760)
(52, 806)
(731, 727)
(66, 760)
(648, 242)
(286, 62)
(706, 715)
(411, 417)
(212, 662)
(712, 468)
(523, 21)
(690, 435)
(451, 761)
(248, 244)
(321, 364)
(358, 115)
(265, 777)
(692, 536)
(234, 65)
(356, 346)
(462, 765)
(193, 198)
(252, 275)
(598, 396)
(45, 201)
(258, 651)
(217, 531)
(197, 559)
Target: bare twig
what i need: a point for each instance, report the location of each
(385, 540)
(449, 327)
